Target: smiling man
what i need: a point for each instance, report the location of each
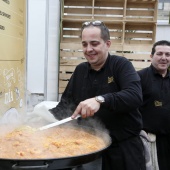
(156, 100)
(107, 88)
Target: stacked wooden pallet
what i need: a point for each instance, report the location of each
(132, 26)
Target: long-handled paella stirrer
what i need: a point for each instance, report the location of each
(57, 123)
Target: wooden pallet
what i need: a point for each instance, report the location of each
(132, 26)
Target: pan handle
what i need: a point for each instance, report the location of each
(16, 166)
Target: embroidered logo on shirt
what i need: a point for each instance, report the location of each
(157, 103)
(110, 79)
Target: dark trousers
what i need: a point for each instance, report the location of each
(125, 155)
(163, 151)
(94, 165)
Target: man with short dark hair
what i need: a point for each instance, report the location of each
(155, 110)
(107, 88)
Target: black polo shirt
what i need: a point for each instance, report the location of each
(156, 101)
(119, 84)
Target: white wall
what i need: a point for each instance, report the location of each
(163, 32)
(42, 51)
(36, 45)
(53, 48)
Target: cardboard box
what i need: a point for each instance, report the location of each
(12, 55)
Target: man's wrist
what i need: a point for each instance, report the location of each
(100, 99)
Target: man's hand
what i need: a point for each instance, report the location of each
(86, 108)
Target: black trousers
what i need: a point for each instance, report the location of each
(125, 155)
(94, 165)
(163, 151)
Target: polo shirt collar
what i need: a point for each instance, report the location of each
(156, 72)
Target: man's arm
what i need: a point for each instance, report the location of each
(66, 105)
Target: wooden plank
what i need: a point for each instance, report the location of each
(78, 11)
(138, 19)
(67, 68)
(143, 1)
(81, 18)
(138, 48)
(140, 13)
(114, 47)
(71, 62)
(108, 18)
(119, 53)
(69, 24)
(63, 76)
(116, 41)
(139, 42)
(77, 3)
(78, 23)
(154, 33)
(71, 54)
(73, 46)
(69, 39)
(140, 26)
(140, 4)
(72, 32)
(115, 34)
(138, 35)
(140, 65)
(108, 3)
(115, 1)
(109, 11)
(61, 89)
(134, 56)
(63, 83)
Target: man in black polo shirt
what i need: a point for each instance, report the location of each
(107, 88)
(156, 100)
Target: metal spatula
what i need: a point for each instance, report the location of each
(57, 123)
